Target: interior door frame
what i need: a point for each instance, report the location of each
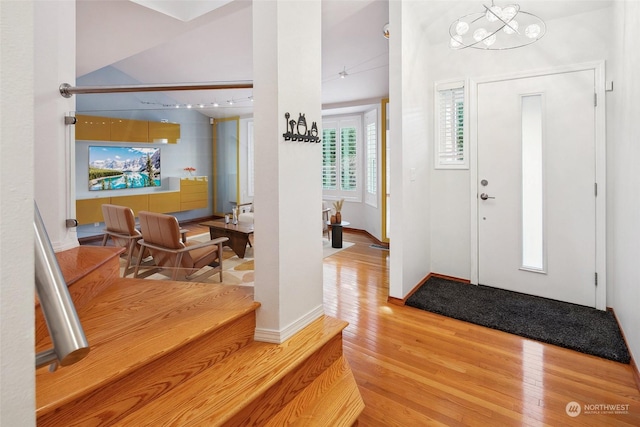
(600, 152)
(384, 118)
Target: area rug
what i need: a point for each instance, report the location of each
(240, 271)
(572, 326)
(327, 250)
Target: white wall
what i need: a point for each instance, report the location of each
(411, 158)
(17, 358)
(569, 40)
(372, 215)
(55, 64)
(623, 152)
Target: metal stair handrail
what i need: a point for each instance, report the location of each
(69, 342)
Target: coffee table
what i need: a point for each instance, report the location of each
(238, 234)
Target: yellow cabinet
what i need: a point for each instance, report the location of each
(90, 210)
(194, 193)
(129, 130)
(96, 128)
(139, 202)
(164, 202)
(93, 128)
(164, 132)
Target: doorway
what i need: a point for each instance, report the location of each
(538, 166)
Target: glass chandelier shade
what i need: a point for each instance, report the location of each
(496, 28)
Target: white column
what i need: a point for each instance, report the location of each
(288, 195)
(411, 149)
(17, 371)
(55, 63)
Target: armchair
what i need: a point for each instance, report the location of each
(161, 235)
(245, 215)
(326, 214)
(120, 226)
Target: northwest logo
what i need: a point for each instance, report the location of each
(573, 409)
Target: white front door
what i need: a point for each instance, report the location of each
(536, 186)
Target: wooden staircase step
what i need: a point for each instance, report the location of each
(147, 337)
(88, 270)
(333, 399)
(252, 385)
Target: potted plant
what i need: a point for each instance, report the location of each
(337, 205)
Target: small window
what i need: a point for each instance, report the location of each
(451, 146)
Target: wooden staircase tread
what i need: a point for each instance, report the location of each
(134, 322)
(87, 273)
(78, 262)
(214, 396)
(131, 305)
(333, 399)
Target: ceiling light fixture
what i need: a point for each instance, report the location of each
(343, 73)
(496, 28)
(248, 101)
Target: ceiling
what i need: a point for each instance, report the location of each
(193, 44)
(187, 41)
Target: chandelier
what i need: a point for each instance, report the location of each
(496, 28)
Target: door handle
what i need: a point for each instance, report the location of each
(485, 196)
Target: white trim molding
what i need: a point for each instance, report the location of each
(278, 337)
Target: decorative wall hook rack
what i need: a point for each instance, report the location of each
(297, 131)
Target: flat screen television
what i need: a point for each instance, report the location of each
(117, 168)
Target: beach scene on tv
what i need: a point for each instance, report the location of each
(116, 168)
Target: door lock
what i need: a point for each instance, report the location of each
(485, 196)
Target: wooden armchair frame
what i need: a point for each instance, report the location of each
(120, 226)
(184, 259)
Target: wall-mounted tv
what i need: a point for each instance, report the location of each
(116, 168)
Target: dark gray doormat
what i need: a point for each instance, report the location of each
(567, 325)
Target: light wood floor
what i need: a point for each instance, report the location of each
(416, 368)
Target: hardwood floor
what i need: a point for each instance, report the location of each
(415, 368)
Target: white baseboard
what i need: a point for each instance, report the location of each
(69, 243)
(278, 337)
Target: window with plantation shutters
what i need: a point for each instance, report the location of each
(451, 146)
(371, 157)
(341, 157)
(329, 159)
(348, 158)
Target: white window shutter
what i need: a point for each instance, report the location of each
(451, 147)
(371, 157)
